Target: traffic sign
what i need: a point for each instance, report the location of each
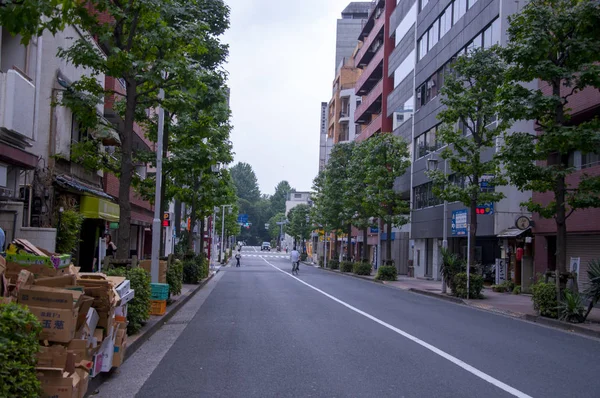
(242, 218)
(459, 222)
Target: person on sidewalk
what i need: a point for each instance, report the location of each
(295, 257)
(238, 256)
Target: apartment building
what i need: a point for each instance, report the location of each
(583, 229)
(347, 29)
(343, 103)
(444, 30)
(325, 143)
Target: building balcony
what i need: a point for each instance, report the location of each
(372, 128)
(373, 16)
(17, 99)
(371, 44)
(371, 103)
(371, 74)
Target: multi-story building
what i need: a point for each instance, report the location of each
(343, 104)
(348, 28)
(583, 229)
(325, 143)
(445, 29)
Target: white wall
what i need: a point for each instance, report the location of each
(419, 262)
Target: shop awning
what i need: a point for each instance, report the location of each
(511, 232)
(94, 207)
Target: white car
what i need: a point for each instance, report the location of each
(265, 246)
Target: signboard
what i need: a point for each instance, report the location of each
(166, 222)
(575, 262)
(242, 218)
(500, 270)
(374, 230)
(459, 222)
(485, 209)
(485, 182)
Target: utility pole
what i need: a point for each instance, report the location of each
(222, 251)
(156, 223)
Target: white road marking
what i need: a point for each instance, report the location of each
(482, 375)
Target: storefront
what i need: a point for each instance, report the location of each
(100, 215)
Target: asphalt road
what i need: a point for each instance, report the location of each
(257, 331)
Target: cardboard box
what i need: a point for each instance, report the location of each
(55, 357)
(81, 350)
(56, 309)
(57, 281)
(107, 350)
(58, 384)
(127, 297)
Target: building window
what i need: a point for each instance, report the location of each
(422, 46)
(446, 21)
(423, 196)
(580, 160)
(406, 24)
(427, 143)
(404, 114)
(434, 34)
(404, 69)
(460, 8)
(423, 4)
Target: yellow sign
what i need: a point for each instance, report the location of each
(94, 207)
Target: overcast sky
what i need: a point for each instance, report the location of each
(281, 67)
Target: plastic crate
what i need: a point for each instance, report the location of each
(158, 307)
(160, 291)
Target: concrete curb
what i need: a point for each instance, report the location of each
(569, 327)
(452, 299)
(352, 275)
(97, 381)
(556, 324)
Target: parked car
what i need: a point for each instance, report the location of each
(265, 246)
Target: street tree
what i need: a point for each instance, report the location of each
(246, 182)
(470, 94)
(147, 45)
(386, 159)
(275, 229)
(300, 226)
(558, 43)
(282, 191)
(358, 203)
(29, 18)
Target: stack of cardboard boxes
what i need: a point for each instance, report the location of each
(83, 318)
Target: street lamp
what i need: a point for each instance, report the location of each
(432, 164)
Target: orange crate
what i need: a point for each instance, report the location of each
(158, 307)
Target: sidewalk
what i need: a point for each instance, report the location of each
(515, 305)
(152, 325)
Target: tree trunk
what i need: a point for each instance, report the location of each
(202, 236)
(192, 224)
(123, 240)
(365, 252)
(164, 206)
(561, 233)
(388, 243)
(349, 243)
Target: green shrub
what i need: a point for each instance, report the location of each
(509, 285)
(499, 288)
(460, 285)
(517, 289)
(321, 262)
(333, 264)
(191, 271)
(362, 268)
(571, 309)
(67, 236)
(592, 292)
(544, 298)
(347, 266)
(138, 309)
(387, 273)
(303, 256)
(19, 333)
(452, 265)
(175, 277)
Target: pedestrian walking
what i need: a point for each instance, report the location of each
(295, 257)
(238, 256)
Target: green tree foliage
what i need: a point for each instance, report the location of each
(386, 159)
(282, 191)
(274, 229)
(246, 183)
(19, 344)
(470, 94)
(148, 45)
(138, 309)
(67, 237)
(300, 225)
(29, 18)
(556, 42)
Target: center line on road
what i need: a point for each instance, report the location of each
(482, 375)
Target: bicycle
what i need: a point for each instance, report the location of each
(295, 267)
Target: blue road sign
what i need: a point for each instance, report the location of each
(459, 222)
(243, 218)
